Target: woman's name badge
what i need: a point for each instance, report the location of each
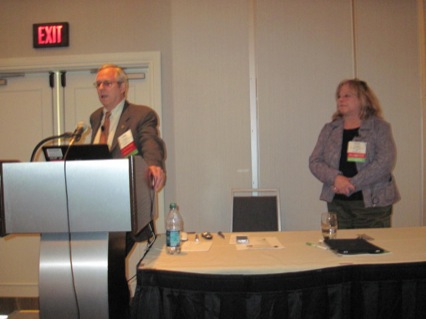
(127, 144)
(357, 151)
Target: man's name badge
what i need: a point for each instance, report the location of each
(357, 151)
(127, 144)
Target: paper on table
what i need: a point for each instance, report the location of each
(261, 243)
(196, 246)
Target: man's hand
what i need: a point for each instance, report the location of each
(157, 176)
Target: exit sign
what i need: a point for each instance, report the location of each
(51, 35)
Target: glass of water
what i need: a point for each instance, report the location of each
(329, 225)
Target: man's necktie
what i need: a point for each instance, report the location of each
(105, 129)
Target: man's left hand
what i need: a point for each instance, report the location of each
(158, 177)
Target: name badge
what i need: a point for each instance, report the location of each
(127, 144)
(357, 151)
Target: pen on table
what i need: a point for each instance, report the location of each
(221, 234)
(316, 245)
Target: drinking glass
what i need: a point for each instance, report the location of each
(329, 225)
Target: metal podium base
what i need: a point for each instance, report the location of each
(73, 277)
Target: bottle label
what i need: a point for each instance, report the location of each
(172, 238)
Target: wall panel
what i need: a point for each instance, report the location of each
(211, 109)
(387, 53)
(304, 48)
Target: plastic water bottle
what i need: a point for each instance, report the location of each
(174, 226)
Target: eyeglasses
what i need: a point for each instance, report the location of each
(106, 84)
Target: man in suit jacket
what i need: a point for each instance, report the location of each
(132, 130)
(128, 121)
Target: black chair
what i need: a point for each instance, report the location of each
(255, 210)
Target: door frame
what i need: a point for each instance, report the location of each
(150, 59)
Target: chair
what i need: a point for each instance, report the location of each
(255, 210)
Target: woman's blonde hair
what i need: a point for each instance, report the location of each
(370, 105)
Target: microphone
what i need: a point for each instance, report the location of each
(79, 131)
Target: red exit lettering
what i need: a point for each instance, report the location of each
(50, 34)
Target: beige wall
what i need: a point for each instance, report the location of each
(422, 37)
(302, 49)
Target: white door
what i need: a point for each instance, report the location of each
(25, 114)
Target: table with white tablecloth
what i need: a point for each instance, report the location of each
(296, 278)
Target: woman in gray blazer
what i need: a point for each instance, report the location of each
(354, 158)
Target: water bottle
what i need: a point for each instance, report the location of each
(174, 226)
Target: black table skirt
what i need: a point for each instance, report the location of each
(353, 291)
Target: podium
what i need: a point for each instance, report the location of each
(75, 205)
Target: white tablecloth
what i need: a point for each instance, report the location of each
(404, 245)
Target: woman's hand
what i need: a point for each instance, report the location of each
(343, 185)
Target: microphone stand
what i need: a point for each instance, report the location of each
(75, 138)
(65, 135)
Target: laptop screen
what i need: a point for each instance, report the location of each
(76, 152)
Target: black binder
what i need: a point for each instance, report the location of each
(353, 246)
